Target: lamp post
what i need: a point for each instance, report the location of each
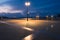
(27, 4)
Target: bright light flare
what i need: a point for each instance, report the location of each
(27, 3)
(30, 37)
(29, 29)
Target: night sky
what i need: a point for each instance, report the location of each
(42, 6)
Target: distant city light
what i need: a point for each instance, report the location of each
(47, 16)
(37, 17)
(51, 15)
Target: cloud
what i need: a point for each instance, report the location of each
(1, 1)
(8, 9)
(16, 11)
(5, 8)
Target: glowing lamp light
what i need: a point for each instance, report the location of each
(27, 3)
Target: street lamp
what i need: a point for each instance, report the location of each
(27, 4)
